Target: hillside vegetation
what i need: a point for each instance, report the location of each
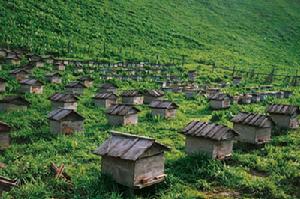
(269, 171)
(243, 33)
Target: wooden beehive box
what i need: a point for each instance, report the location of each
(31, 86)
(134, 161)
(63, 100)
(122, 114)
(65, 121)
(75, 88)
(13, 103)
(219, 101)
(105, 100)
(253, 128)
(19, 74)
(132, 97)
(107, 88)
(151, 95)
(4, 135)
(54, 78)
(284, 116)
(163, 108)
(214, 140)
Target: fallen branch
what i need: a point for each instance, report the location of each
(59, 171)
(7, 184)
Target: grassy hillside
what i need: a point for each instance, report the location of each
(270, 171)
(244, 33)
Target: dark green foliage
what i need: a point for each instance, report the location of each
(244, 33)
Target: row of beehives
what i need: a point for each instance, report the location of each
(125, 74)
(31, 85)
(27, 69)
(212, 139)
(106, 69)
(190, 89)
(114, 70)
(138, 162)
(129, 97)
(217, 101)
(222, 101)
(15, 56)
(64, 118)
(28, 83)
(106, 74)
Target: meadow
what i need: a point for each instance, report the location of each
(271, 171)
(249, 34)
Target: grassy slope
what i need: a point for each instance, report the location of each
(268, 172)
(229, 32)
(244, 33)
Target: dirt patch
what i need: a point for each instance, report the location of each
(222, 193)
(2, 165)
(22, 140)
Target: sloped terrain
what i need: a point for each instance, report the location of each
(243, 33)
(270, 171)
(247, 33)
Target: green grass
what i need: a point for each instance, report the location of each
(243, 33)
(248, 34)
(33, 148)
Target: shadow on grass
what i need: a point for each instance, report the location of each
(247, 147)
(292, 184)
(200, 112)
(104, 186)
(279, 131)
(29, 139)
(190, 169)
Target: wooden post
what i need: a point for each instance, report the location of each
(183, 60)
(69, 46)
(286, 79)
(269, 78)
(89, 49)
(248, 73)
(133, 52)
(104, 48)
(61, 49)
(252, 73)
(120, 53)
(233, 71)
(272, 75)
(295, 79)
